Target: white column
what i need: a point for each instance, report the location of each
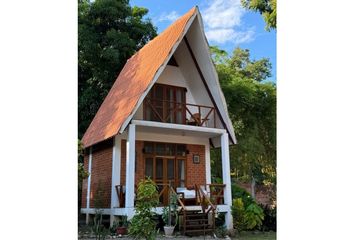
(115, 175)
(207, 164)
(226, 178)
(130, 168)
(88, 186)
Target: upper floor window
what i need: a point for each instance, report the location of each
(165, 103)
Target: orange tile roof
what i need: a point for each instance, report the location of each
(132, 82)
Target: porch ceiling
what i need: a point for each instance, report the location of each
(177, 129)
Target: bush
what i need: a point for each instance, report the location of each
(142, 224)
(254, 216)
(270, 218)
(246, 217)
(238, 192)
(238, 214)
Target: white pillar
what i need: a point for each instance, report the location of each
(226, 178)
(115, 175)
(130, 168)
(88, 187)
(207, 164)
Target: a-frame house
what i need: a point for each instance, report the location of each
(160, 119)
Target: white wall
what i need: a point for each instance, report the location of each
(173, 76)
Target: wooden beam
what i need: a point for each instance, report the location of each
(172, 62)
(206, 86)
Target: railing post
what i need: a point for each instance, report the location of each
(214, 118)
(200, 117)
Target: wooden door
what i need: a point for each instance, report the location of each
(162, 170)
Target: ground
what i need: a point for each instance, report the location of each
(243, 236)
(256, 236)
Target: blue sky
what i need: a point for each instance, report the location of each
(226, 24)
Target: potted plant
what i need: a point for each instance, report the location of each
(170, 214)
(122, 225)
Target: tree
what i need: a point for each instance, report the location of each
(243, 67)
(109, 32)
(252, 108)
(268, 9)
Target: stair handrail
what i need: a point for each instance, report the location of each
(183, 208)
(204, 198)
(178, 199)
(218, 194)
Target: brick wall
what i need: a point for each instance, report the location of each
(195, 172)
(101, 172)
(263, 193)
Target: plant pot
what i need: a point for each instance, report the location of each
(168, 230)
(121, 230)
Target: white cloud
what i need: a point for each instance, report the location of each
(172, 16)
(224, 35)
(223, 23)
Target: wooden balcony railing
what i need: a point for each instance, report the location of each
(180, 113)
(212, 194)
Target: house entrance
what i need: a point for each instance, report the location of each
(165, 164)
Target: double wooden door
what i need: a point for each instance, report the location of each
(165, 170)
(165, 103)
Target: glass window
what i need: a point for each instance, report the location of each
(181, 150)
(160, 148)
(170, 169)
(149, 147)
(170, 149)
(164, 107)
(149, 167)
(159, 92)
(181, 173)
(159, 168)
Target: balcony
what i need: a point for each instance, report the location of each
(178, 112)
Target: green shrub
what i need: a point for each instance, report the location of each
(246, 217)
(238, 192)
(142, 224)
(254, 216)
(270, 218)
(238, 214)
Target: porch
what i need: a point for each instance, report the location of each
(188, 196)
(133, 160)
(196, 209)
(206, 190)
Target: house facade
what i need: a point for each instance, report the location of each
(160, 119)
